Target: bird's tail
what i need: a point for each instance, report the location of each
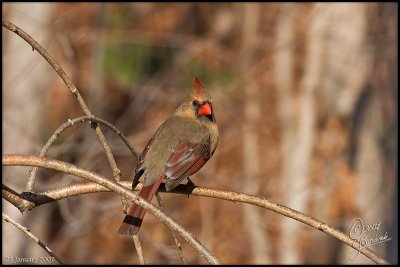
(133, 220)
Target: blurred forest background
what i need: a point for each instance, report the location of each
(305, 96)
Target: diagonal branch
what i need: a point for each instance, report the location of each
(139, 250)
(28, 233)
(24, 160)
(85, 188)
(177, 243)
(71, 123)
(54, 64)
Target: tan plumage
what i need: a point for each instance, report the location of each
(179, 148)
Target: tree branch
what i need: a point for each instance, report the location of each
(28, 233)
(85, 188)
(138, 247)
(54, 64)
(25, 160)
(177, 243)
(71, 123)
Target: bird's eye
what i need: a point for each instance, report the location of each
(195, 102)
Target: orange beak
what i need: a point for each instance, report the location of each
(205, 109)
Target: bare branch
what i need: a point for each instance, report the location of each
(28, 233)
(262, 202)
(177, 243)
(18, 200)
(36, 46)
(24, 160)
(139, 251)
(70, 123)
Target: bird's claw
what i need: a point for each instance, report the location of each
(189, 187)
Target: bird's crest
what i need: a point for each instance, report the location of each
(199, 90)
(198, 87)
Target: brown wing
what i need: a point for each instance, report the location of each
(139, 171)
(185, 160)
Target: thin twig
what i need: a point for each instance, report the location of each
(70, 123)
(36, 46)
(138, 247)
(28, 233)
(177, 243)
(85, 188)
(25, 160)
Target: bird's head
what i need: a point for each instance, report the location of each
(198, 104)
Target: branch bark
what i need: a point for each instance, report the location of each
(28, 233)
(54, 64)
(25, 160)
(177, 243)
(104, 185)
(139, 250)
(71, 123)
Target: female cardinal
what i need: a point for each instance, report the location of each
(179, 148)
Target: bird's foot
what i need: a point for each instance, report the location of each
(189, 187)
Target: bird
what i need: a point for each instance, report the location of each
(180, 147)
